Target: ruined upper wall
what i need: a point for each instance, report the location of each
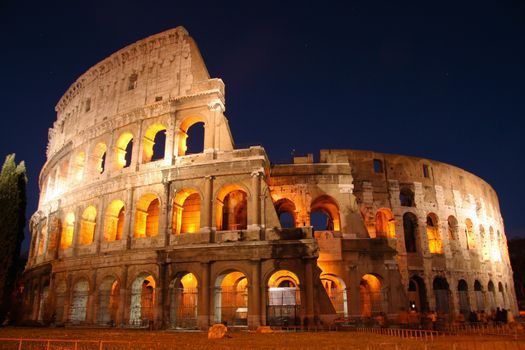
(161, 67)
(409, 170)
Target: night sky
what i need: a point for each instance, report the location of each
(440, 80)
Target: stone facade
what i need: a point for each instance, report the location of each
(135, 228)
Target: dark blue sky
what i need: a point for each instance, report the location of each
(442, 80)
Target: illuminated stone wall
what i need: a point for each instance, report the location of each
(129, 214)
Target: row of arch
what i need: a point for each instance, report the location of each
(230, 299)
(231, 204)
(84, 165)
(491, 245)
(484, 299)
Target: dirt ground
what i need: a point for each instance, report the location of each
(116, 339)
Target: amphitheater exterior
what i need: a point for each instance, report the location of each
(136, 228)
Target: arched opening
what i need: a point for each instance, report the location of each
(469, 234)
(68, 229)
(87, 225)
(335, 288)
(78, 166)
(406, 197)
(123, 150)
(231, 299)
(183, 301)
(284, 299)
(285, 209)
(147, 216)
(195, 138)
(385, 224)
(491, 295)
(114, 221)
(417, 294)
(99, 158)
(154, 143)
(232, 209)
(441, 293)
(478, 291)
(186, 216)
(142, 300)
(464, 304)
(410, 228)
(191, 136)
(435, 245)
(503, 299)
(108, 300)
(328, 217)
(370, 295)
(60, 300)
(452, 229)
(79, 299)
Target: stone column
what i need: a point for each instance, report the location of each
(99, 228)
(91, 309)
(128, 217)
(207, 205)
(170, 138)
(355, 296)
(122, 303)
(137, 148)
(309, 291)
(254, 296)
(204, 299)
(168, 213)
(254, 212)
(67, 297)
(162, 297)
(163, 215)
(76, 233)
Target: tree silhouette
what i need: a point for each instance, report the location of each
(13, 183)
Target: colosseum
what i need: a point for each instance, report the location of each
(137, 226)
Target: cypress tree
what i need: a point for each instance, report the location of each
(13, 183)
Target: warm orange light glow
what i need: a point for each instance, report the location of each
(232, 207)
(283, 275)
(87, 226)
(120, 149)
(149, 141)
(469, 230)
(186, 212)
(385, 224)
(98, 156)
(67, 231)
(370, 293)
(435, 245)
(147, 216)
(114, 221)
(183, 132)
(189, 281)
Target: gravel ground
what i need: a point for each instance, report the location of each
(116, 339)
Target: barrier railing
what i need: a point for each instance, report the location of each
(425, 335)
(78, 344)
